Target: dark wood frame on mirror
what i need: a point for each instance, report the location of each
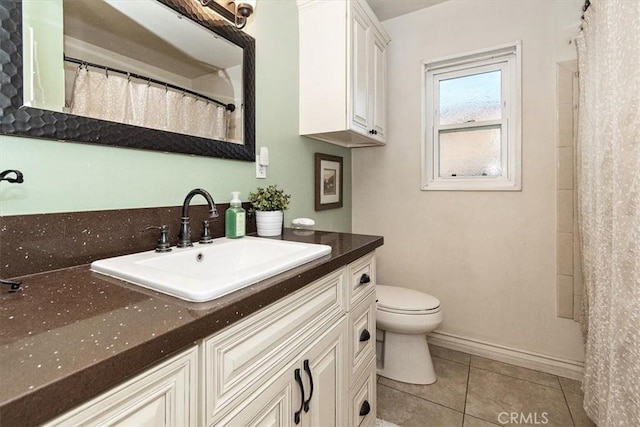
(17, 119)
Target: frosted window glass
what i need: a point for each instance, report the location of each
(470, 153)
(471, 98)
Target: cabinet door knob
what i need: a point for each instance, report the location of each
(365, 408)
(364, 335)
(365, 279)
(296, 416)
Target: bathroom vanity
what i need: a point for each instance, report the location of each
(295, 349)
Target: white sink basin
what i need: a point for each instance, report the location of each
(206, 272)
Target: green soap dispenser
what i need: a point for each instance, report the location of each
(235, 218)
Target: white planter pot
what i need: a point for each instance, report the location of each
(269, 223)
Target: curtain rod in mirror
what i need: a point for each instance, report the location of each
(229, 107)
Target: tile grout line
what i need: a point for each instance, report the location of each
(518, 378)
(454, 361)
(422, 398)
(566, 402)
(466, 391)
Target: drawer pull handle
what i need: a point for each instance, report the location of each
(364, 335)
(308, 371)
(365, 279)
(365, 409)
(296, 416)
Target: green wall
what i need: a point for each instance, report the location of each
(67, 177)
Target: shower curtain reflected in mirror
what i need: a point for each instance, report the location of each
(115, 98)
(609, 209)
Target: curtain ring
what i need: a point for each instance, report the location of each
(128, 76)
(149, 83)
(106, 72)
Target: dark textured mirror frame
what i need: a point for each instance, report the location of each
(16, 119)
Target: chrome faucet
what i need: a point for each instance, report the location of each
(184, 238)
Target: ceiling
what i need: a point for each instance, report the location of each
(149, 32)
(387, 9)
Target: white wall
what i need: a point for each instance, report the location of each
(490, 257)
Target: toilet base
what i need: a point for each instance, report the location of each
(407, 359)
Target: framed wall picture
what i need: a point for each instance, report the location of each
(328, 182)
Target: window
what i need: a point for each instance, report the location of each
(471, 138)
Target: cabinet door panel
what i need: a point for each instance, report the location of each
(379, 89)
(163, 396)
(242, 357)
(326, 370)
(360, 72)
(270, 406)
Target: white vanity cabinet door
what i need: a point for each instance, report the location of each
(165, 395)
(282, 402)
(379, 87)
(368, 76)
(239, 359)
(323, 366)
(272, 405)
(361, 120)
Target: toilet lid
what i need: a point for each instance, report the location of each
(394, 298)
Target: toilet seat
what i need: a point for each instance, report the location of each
(392, 299)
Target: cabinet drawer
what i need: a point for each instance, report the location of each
(362, 337)
(245, 355)
(362, 279)
(362, 398)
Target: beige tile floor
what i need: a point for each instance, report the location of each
(472, 391)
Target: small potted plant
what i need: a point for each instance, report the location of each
(269, 204)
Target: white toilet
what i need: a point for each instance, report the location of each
(405, 316)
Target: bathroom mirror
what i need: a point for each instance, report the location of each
(212, 66)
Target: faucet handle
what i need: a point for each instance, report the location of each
(163, 244)
(206, 233)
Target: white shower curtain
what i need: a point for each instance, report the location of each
(609, 208)
(118, 99)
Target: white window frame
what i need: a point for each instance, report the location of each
(505, 58)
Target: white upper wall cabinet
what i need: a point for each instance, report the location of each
(342, 73)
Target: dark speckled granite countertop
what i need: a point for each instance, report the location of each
(72, 334)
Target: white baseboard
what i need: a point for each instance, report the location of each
(526, 359)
